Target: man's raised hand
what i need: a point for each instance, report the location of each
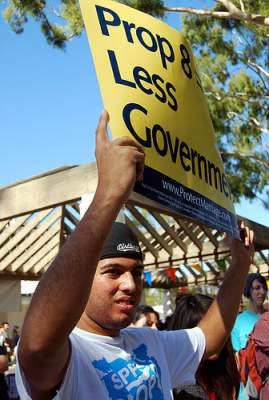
(120, 162)
(242, 250)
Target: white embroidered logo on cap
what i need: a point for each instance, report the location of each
(128, 247)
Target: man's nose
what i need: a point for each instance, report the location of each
(127, 282)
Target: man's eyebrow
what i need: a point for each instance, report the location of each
(111, 265)
(120, 266)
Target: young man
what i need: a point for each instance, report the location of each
(94, 284)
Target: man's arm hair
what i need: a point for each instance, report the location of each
(63, 291)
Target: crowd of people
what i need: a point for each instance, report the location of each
(85, 334)
(8, 346)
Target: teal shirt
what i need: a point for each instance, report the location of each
(243, 326)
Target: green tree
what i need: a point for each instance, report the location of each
(231, 42)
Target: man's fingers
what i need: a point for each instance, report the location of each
(140, 163)
(251, 236)
(128, 141)
(246, 234)
(101, 131)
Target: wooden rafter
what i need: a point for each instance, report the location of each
(33, 227)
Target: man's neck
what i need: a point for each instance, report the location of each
(87, 324)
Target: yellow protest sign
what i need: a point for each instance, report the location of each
(152, 91)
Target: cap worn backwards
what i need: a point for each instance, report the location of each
(121, 242)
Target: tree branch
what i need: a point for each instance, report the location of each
(259, 68)
(232, 13)
(242, 96)
(252, 121)
(241, 154)
(242, 5)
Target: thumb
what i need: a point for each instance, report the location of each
(101, 130)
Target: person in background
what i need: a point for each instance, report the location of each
(6, 329)
(260, 336)
(146, 316)
(217, 377)
(15, 336)
(2, 335)
(255, 291)
(3, 368)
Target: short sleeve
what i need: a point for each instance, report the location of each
(184, 351)
(21, 381)
(24, 388)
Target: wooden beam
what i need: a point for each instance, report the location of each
(38, 245)
(47, 191)
(71, 217)
(45, 262)
(19, 276)
(13, 225)
(29, 244)
(150, 229)
(265, 259)
(142, 238)
(169, 230)
(193, 255)
(209, 277)
(54, 242)
(189, 233)
(22, 233)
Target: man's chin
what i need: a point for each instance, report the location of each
(123, 323)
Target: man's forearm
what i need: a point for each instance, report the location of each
(219, 320)
(63, 291)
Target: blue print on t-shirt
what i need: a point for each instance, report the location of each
(138, 378)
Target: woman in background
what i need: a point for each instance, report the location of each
(146, 316)
(218, 376)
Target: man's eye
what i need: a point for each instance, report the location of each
(114, 272)
(137, 274)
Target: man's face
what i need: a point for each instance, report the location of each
(257, 293)
(115, 294)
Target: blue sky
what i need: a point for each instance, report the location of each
(49, 107)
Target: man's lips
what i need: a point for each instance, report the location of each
(125, 304)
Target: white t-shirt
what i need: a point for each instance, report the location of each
(141, 363)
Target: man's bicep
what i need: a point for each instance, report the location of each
(41, 375)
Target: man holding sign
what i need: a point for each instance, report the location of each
(74, 345)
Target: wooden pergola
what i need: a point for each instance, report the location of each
(38, 214)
